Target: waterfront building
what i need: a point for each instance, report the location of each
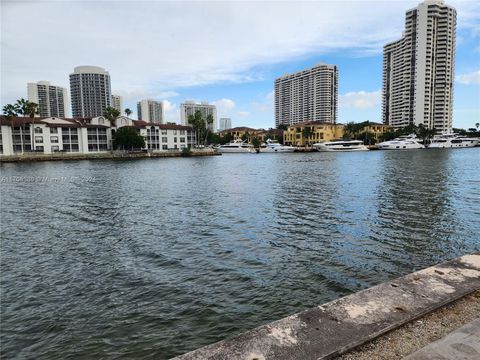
(117, 103)
(51, 99)
(90, 91)
(190, 107)
(151, 111)
(225, 123)
(310, 94)
(85, 135)
(240, 132)
(308, 133)
(418, 69)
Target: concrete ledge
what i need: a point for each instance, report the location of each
(101, 156)
(338, 326)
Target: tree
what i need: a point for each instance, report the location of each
(128, 112)
(424, 133)
(477, 125)
(27, 108)
(209, 123)
(111, 114)
(256, 142)
(198, 124)
(282, 127)
(127, 138)
(10, 111)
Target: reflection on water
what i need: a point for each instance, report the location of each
(158, 257)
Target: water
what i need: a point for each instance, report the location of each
(152, 258)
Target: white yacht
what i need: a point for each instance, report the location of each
(452, 141)
(273, 146)
(236, 146)
(402, 143)
(341, 145)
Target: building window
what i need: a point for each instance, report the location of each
(39, 148)
(38, 130)
(55, 148)
(39, 139)
(175, 139)
(164, 132)
(164, 147)
(182, 139)
(164, 139)
(53, 131)
(54, 139)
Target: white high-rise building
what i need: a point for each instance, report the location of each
(52, 100)
(151, 111)
(190, 107)
(117, 103)
(90, 91)
(308, 95)
(225, 123)
(418, 69)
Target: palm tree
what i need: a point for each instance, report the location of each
(209, 122)
(128, 112)
(425, 133)
(25, 108)
(111, 114)
(10, 111)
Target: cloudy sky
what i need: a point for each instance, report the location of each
(224, 52)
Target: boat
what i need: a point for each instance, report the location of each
(236, 146)
(402, 143)
(341, 145)
(452, 141)
(273, 146)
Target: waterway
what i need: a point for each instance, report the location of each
(148, 259)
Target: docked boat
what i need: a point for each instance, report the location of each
(236, 146)
(452, 141)
(273, 146)
(341, 145)
(402, 143)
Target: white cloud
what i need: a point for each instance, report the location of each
(469, 78)
(224, 106)
(243, 113)
(360, 99)
(152, 47)
(172, 112)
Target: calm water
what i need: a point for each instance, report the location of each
(152, 258)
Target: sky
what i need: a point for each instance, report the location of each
(225, 52)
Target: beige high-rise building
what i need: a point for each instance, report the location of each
(418, 69)
(151, 111)
(117, 103)
(190, 107)
(308, 95)
(51, 100)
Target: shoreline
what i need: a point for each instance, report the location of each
(102, 156)
(340, 326)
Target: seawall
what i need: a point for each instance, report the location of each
(103, 156)
(336, 327)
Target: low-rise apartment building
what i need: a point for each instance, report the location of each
(308, 133)
(85, 135)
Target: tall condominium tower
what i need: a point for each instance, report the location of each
(51, 100)
(308, 95)
(225, 123)
(90, 91)
(418, 69)
(151, 111)
(190, 107)
(117, 103)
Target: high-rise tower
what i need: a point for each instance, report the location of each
(90, 91)
(418, 69)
